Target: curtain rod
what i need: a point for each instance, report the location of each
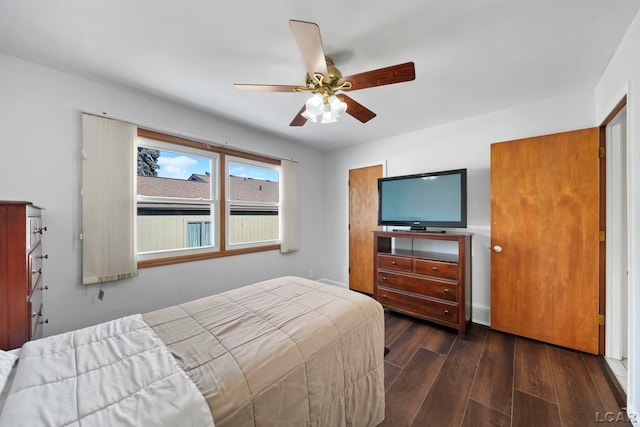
(192, 137)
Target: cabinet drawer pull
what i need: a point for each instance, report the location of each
(384, 296)
(434, 268)
(40, 230)
(446, 291)
(394, 263)
(446, 312)
(384, 277)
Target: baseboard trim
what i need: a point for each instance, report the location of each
(481, 315)
(618, 392)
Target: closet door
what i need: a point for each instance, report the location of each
(545, 238)
(363, 221)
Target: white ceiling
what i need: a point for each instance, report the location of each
(471, 56)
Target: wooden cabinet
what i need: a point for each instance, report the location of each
(425, 275)
(21, 274)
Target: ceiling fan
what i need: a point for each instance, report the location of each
(324, 80)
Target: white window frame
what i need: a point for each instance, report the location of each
(213, 202)
(240, 160)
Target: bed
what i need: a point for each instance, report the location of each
(283, 352)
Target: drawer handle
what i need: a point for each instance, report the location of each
(384, 277)
(38, 271)
(434, 268)
(446, 291)
(40, 230)
(446, 312)
(43, 321)
(394, 263)
(384, 296)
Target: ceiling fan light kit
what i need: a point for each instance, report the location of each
(324, 80)
(324, 108)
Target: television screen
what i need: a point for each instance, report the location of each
(436, 199)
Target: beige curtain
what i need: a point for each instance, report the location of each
(289, 206)
(108, 200)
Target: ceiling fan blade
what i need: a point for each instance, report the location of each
(265, 88)
(382, 76)
(298, 120)
(357, 110)
(307, 35)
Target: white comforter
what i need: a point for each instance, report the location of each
(117, 373)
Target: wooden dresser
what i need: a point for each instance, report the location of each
(425, 275)
(21, 273)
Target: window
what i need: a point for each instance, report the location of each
(253, 202)
(180, 215)
(176, 199)
(198, 234)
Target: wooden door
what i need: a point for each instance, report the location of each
(363, 220)
(545, 238)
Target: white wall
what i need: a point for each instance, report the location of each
(621, 77)
(40, 139)
(462, 144)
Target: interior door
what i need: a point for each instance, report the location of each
(545, 238)
(363, 220)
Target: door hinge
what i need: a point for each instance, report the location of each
(601, 152)
(601, 236)
(600, 319)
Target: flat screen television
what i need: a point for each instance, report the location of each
(435, 199)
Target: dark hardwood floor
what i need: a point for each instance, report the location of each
(433, 378)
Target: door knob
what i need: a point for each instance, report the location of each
(497, 249)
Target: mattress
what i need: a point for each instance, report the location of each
(283, 352)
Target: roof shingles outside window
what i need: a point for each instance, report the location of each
(253, 190)
(197, 187)
(170, 187)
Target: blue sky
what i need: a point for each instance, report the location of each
(252, 172)
(180, 166)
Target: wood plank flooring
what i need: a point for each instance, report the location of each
(433, 378)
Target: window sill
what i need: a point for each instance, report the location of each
(202, 256)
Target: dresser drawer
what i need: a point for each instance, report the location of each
(35, 268)
(37, 320)
(34, 226)
(35, 298)
(419, 285)
(446, 312)
(391, 262)
(446, 270)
